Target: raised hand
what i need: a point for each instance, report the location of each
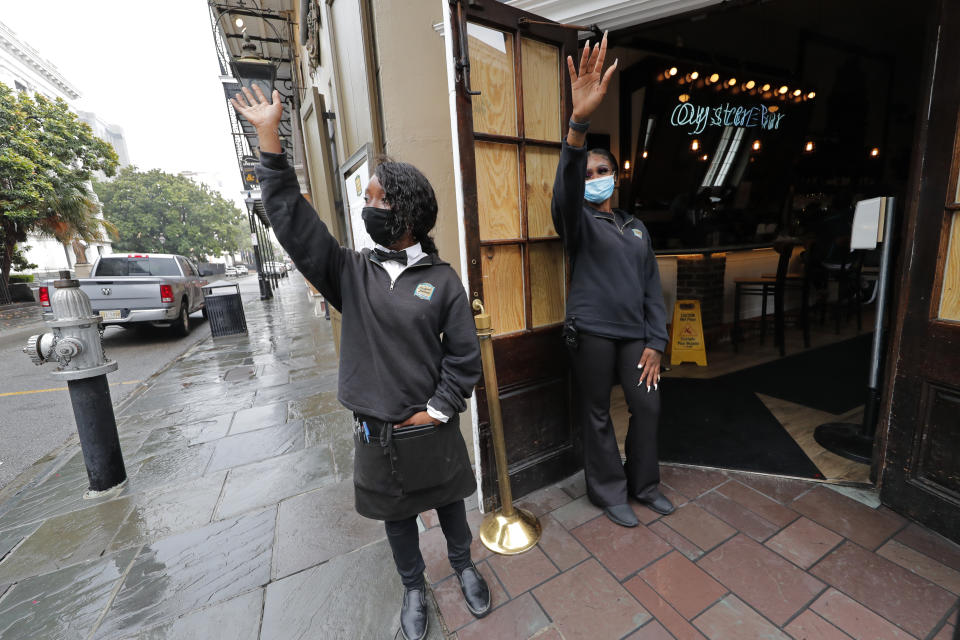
(589, 86)
(257, 109)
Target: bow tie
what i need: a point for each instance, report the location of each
(398, 256)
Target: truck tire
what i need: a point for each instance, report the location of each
(181, 326)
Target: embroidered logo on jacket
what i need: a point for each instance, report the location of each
(638, 233)
(424, 290)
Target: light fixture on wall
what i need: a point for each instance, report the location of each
(238, 22)
(250, 69)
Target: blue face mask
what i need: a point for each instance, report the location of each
(598, 189)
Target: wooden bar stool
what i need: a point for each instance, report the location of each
(776, 285)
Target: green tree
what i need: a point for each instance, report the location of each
(47, 156)
(158, 212)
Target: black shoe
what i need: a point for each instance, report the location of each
(656, 501)
(622, 515)
(413, 614)
(475, 591)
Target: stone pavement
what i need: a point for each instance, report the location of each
(238, 523)
(19, 314)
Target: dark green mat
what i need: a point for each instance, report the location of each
(831, 378)
(717, 424)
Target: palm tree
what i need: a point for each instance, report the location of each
(73, 217)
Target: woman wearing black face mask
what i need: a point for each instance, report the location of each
(409, 355)
(616, 320)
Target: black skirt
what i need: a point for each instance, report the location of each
(399, 477)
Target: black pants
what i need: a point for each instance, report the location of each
(596, 363)
(405, 543)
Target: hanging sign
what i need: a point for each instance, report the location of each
(686, 334)
(698, 117)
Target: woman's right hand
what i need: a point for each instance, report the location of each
(589, 86)
(263, 114)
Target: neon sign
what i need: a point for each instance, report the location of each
(699, 117)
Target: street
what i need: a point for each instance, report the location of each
(35, 412)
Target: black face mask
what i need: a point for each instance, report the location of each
(380, 225)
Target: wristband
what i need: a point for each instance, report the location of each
(579, 127)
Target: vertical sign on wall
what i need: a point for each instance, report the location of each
(354, 185)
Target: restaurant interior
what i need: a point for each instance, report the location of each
(745, 138)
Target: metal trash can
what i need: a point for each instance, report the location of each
(224, 310)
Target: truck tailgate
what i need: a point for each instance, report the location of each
(107, 294)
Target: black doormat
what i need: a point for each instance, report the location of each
(831, 378)
(717, 424)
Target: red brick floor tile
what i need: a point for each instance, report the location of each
(522, 572)
(911, 602)
(575, 485)
(520, 618)
(855, 619)
(698, 526)
(783, 490)
(450, 599)
(575, 513)
(681, 544)
(804, 542)
(921, 564)
(931, 544)
(732, 619)
(691, 481)
(548, 633)
(683, 584)
(767, 582)
(622, 550)
(544, 500)
(677, 498)
(653, 630)
(661, 610)
(559, 545)
(737, 516)
(760, 504)
(587, 602)
(810, 626)
(477, 551)
(867, 527)
(947, 632)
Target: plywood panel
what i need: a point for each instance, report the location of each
(541, 165)
(541, 89)
(492, 74)
(498, 190)
(950, 296)
(547, 282)
(503, 286)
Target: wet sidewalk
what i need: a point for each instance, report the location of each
(238, 523)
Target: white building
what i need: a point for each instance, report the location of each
(23, 68)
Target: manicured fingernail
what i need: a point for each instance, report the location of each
(640, 383)
(640, 366)
(648, 388)
(654, 387)
(616, 61)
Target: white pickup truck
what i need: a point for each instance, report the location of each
(159, 289)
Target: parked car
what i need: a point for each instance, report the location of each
(158, 289)
(230, 271)
(242, 270)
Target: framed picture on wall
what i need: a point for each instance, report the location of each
(355, 173)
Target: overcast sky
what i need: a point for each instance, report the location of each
(149, 67)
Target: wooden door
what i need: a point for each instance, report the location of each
(920, 476)
(509, 141)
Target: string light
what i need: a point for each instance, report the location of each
(672, 72)
(732, 81)
(704, 157)
(812, 95)
(695, 145)
(645, 154)
(756, 145)
(714, 77)
(874, 152)
(694, 75)
(809, 146)
(797, 93)
(751, 84)
(626, 165)
(765, 87)
(684, 97)
(773, 108)
(784, 89)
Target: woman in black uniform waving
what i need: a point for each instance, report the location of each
(409, 355)
(616, 320)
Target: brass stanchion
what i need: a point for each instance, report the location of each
(508, 530)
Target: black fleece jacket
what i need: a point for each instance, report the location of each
(403, 343)
(615, 289)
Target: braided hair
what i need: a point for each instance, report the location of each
(412, 199)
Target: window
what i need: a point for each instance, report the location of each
(124, 266)
(19, 86)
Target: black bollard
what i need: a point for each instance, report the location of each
(97, 428)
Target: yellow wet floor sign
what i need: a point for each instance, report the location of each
(686, 334)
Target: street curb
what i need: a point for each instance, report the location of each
(142, 388)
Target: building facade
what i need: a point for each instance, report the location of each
(376, 77)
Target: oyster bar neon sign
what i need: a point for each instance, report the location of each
(698, 118)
